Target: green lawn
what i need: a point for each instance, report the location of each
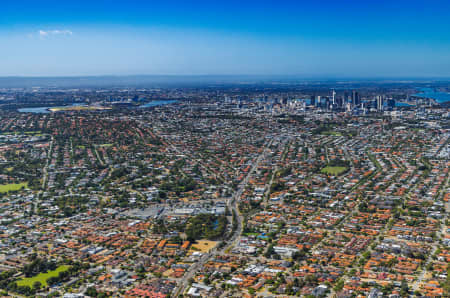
(331, 133)
(12, 186)
(35, 133)
(42, 277)
(333, 170)
(38, 133)
(105, 145)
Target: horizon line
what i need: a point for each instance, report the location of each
(296, 76)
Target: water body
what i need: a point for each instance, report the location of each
(439, 97)
(40, 110)
(45, 110)
(156, 103)
(403, 104)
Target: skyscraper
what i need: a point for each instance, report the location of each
(379, 103)
(313, 100)
(340, 101)
(356, 100)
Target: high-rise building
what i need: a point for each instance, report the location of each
(313, 100)
(379, 103)
(333, 97)
(356, 100)
(340, 101)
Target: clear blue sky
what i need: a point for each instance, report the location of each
(317, 38)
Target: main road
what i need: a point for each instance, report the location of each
(45, 170)
(235, 236)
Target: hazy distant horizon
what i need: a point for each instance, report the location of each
(151, 81)
(295, 76)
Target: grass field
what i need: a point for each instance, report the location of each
(42, 277)
(12, 186)
(331, 133)
(333, 170)
(34, 133)
(167, 273)
(204, 245)
(78, 108)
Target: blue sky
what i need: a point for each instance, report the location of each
(344, 38)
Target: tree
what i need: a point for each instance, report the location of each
(37, 285)
(404, 288)
(91, 291)
(269, 251)
(339, 285)
(311, 279)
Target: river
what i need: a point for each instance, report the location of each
(45, 110)
(439, 97)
